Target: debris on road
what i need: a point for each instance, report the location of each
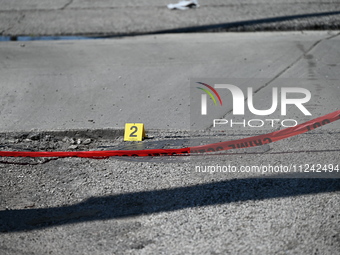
(184, 5)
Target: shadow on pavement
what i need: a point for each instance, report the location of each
(165, 200)
(212, 27)
(244, 23)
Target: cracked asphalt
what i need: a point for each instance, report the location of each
(162, 205)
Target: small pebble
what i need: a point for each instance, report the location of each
(87, 141)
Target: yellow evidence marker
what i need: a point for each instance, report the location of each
(134, 132)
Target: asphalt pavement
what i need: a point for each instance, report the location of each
(114, 18)
(59, 95)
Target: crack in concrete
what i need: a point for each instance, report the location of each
(331, 37)
(20, 18)
(66, 5)
(297, 60)
(7, 29)
(284, 70)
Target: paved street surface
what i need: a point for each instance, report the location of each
(161, 205)
(78, 94)
(114, 17)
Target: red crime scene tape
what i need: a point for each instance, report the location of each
(215, 147)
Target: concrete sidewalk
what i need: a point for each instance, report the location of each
(96, 84)
(113, 17)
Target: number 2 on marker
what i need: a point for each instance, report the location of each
(135, 129)
(134, 132)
